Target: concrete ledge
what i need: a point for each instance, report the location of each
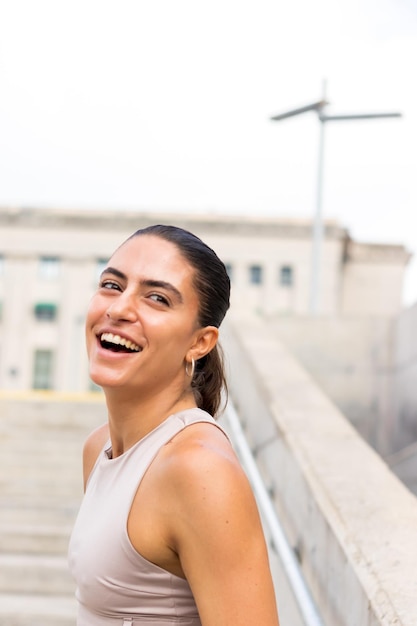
(351, 521)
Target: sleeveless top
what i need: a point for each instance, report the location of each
(116, 586)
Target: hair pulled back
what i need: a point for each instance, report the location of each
(212, 284)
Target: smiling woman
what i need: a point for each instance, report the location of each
(168, 531)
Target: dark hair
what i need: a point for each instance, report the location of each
(212, 284)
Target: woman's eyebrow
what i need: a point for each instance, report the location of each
(115, 272)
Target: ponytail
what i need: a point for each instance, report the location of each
(209, 382)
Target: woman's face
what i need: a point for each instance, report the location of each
(142, 321)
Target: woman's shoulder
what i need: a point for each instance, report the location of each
(202, 434)
(200, 457)
(204, 487)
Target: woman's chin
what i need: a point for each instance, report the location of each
(105, 381)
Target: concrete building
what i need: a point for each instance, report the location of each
(50, 262)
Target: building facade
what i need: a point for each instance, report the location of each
(50, 262)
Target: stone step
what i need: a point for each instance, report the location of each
(68, 484)
(32, 454)
(35, 574)
(50, 482)
(31, 460)
(34, 539)
(46, 425)
(50, 444)
(40, 494)
(56, 447)
(48, 429)
(38, 511)
(26, 458)
(68, 473)
(37, 610)
(52, 414)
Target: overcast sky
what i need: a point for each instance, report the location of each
(165, 105)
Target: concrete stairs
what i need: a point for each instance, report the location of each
(41, 438)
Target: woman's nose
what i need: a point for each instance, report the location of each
(123, 308)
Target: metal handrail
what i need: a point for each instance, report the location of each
(288, 559)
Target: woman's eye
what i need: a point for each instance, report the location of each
(158, 298)
(109, 284)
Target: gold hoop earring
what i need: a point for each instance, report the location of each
(190, 374)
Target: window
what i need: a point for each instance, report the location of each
(255, 274)
(45, 311)
(49, 267)
(101, 265)
(43, 369)
(286, 276)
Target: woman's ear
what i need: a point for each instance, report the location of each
(205, 340)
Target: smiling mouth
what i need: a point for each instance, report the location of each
(115, 343)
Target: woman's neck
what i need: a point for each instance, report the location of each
(132, 418)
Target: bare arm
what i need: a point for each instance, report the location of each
(219, 539)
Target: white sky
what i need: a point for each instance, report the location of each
(164, 104)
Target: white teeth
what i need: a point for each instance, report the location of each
(121, 341)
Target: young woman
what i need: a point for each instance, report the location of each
(168, 531)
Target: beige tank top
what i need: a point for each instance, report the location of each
(115, 584)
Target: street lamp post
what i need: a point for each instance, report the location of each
(319, 107)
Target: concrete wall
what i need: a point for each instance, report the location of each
(373, 280)
(350, 358)
(372, 289)
(349, 518)
(404, 429)
(368, 368)
(403, 423)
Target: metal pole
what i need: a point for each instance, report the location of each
(318, 229)
(318, 220)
